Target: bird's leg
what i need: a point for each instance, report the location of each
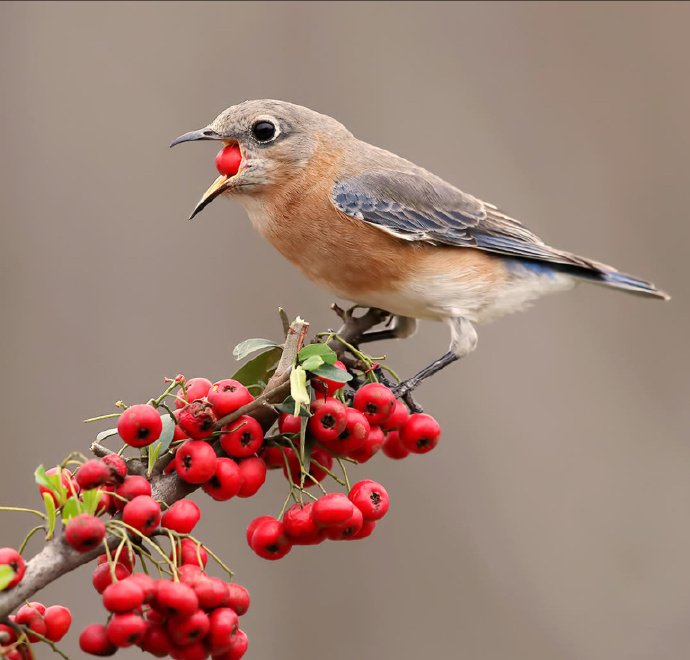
(399, 327)
(463, 341)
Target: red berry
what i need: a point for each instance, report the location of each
(212, 592)
(156, 641)
(229, 159)
(273, 457)
(321, 462)
(182, 516)
(288, 423)
(105, 503)
(420, 433)
(10, 557)
(370, 498)
(353, 436)
(393, 447)
(94, 640)
(242, 438)
(133, 486)
(300, 527)
(223, 627)
(117, 465)
(332, 510)
(92, 474)
(37, 607)
(143, 513)
(226, 480)
(193, 651)
(325, 385)
(102, 576)
(253, 474)
(140, 425)
(147, 584)
(125, 557)
(366, 530)
(195, 462)
(328, 419)
(8, 635)
(269, 540)
(397, 418)
(191, 573)
(253, 524)
(189, 552)
(196, 388)
(228, 395)
(349, 528)
(371, 446)
(185, 630)
(240, 643)
(176, 598)
(123, 630)
(197, 420)
(178, 433)
(31, 617)
(238, 598)
(84, 532)
(124, 596)
(376, 401)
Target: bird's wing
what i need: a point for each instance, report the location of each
(418, 206)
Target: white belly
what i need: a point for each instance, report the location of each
(479, 301)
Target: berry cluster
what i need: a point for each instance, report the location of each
(33, 622)
(189, 617)
(217, 437)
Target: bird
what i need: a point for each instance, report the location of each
(378, 230)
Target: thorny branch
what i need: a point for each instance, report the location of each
(57, 558)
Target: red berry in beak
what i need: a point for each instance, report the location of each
(228, 160)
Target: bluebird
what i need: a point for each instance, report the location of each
(380, 231)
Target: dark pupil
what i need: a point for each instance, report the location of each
(264, 130)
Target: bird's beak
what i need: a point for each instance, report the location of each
(217, 187)
(201, 134)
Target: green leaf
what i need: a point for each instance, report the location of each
(52, 482)
(287, 406)
(312, 362)
(332, 373)
(167, 433)
(51, 512)
(154, 450)
(257, 369)
(70, 509)
(324, 351)
(91, 499)
(108, 433)
(251, 346)
(6, 576)
(41, 478)
(298, 388)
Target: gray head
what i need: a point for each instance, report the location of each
(276, 140)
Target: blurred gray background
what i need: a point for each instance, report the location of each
(552, 522)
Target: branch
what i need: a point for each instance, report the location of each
(57, 558)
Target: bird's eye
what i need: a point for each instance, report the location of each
(264, 130)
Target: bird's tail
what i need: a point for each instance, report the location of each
(607, 276)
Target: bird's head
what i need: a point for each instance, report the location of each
(267, 142)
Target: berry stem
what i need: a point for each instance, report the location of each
(22, 509)
(27, 538)
(102, 417)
